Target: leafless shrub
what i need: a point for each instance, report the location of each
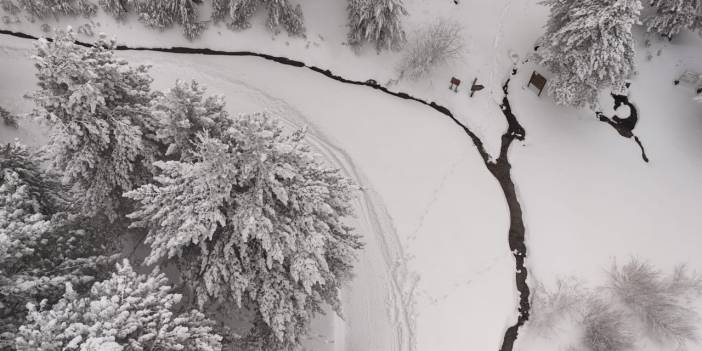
(436, 45)
(605, 328)
(549, 307)
(659, 301)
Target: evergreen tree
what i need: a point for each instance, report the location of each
(117, 8)
(98, 107)
(163, 14)
(672, 16)
(377, 21)
(183, 112)
(281, 13)
(254, 219)
(42, 247)
(56, 8)
(128, 312)
(588, 46)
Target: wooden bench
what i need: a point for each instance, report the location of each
(455, 82)
(538, 81)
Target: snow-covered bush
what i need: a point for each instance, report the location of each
(163, 14)
(588, 46)
(672, 16)
(182, 113)
(128, 312)
(438, 44)
(605, 328)
(98, 107)
(548, 308)
(41, 246)
(378, 22)
(281, 13)
(8, 118)
(56, 8)
(254, 219)
(659, 301)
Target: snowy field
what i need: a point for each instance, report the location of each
(436, 272)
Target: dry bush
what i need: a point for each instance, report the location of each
(658, 301)
(549, 307)
(436, 45)
(605, 328)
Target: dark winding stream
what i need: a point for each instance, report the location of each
(624, 126)
(499, 168)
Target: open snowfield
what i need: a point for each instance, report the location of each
(436, 272)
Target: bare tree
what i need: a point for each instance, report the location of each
(433, 46)
(659, 301)
(605, 328)
(548, 308)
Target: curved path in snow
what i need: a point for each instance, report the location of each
(377, 219)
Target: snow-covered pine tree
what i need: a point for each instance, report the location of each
(163, 14)
(236, 13)
(56, 8)
(281, 13)
(378, 22)
(128, 312)
(588, 46)
(117, 8)
(184, 111)
(672, 16)
(98, 107)
(257, 220)
(9, 7)
(41, 246)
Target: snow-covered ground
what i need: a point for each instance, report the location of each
(432, 216)
(588, 196)
(436, 273)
